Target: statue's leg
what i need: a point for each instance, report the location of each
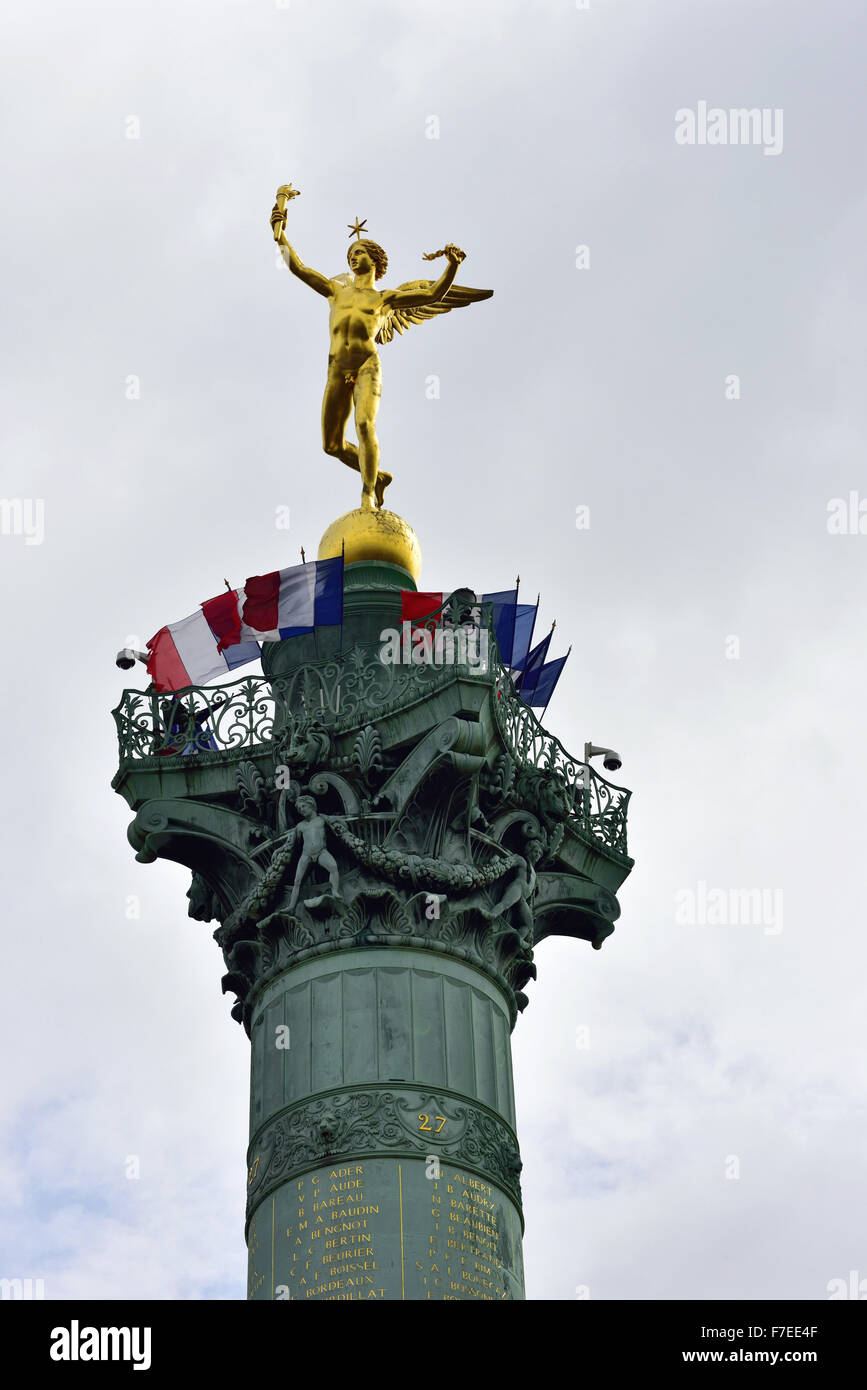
(368, 389)
(525, 919)
(511, 896)
(328, 862)
(336, 409)
(299, 879)
(382, 481)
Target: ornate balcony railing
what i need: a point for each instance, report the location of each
(599, 806)
(335, 691)
(338, 692)
(200, 719)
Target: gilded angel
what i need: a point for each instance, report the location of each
(362, 316)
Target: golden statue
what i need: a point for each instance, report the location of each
(361, 317)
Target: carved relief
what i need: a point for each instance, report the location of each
(372, 1121)
(442, 843)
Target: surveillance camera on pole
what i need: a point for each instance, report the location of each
(127, 658)
(611, 761)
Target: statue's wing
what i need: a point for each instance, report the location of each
(399, 319)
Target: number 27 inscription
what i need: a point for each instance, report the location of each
(425, 1122)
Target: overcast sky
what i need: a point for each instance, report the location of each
(710, 1140)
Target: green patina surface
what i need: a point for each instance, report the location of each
(448, 834)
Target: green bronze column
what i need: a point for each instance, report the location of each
(382, 845)
(383, 1161)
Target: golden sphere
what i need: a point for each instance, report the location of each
(373, 535)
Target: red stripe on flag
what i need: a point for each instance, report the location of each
(165, 667)
(223, 619)
(417, 608)
(260, 603)
(414, 607)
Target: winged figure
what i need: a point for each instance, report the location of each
(361, 317)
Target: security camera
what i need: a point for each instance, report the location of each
(611, 761)
(127, 658)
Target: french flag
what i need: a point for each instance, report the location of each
(415, 607)
(288, 603)
(226, 631)
(188, 652)
(513, 621)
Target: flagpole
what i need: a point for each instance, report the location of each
(516, 678)
(508, 664)
(315, 636)
(517, 600)
(343, 592)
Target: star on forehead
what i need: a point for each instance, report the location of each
(357, 227)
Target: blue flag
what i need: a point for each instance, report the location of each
(527, 682)
(547, 678)
(504, 605)
(513, 626)
(525, 621)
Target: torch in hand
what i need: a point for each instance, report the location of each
(278, 213)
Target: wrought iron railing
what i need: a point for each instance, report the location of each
(340, 690)
(335, 691)
(599, 806)
(200, 719)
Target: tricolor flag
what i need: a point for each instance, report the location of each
(188, 653)
(288, 603)
(226, 631)
(513, 621)
(415, 607)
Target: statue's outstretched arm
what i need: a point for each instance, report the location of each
(314, 278)
(409, 299)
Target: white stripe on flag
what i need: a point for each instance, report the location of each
(197, 648)
(255, 634)
(296, 597)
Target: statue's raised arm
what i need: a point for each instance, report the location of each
(411, 296)
(318, 282)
